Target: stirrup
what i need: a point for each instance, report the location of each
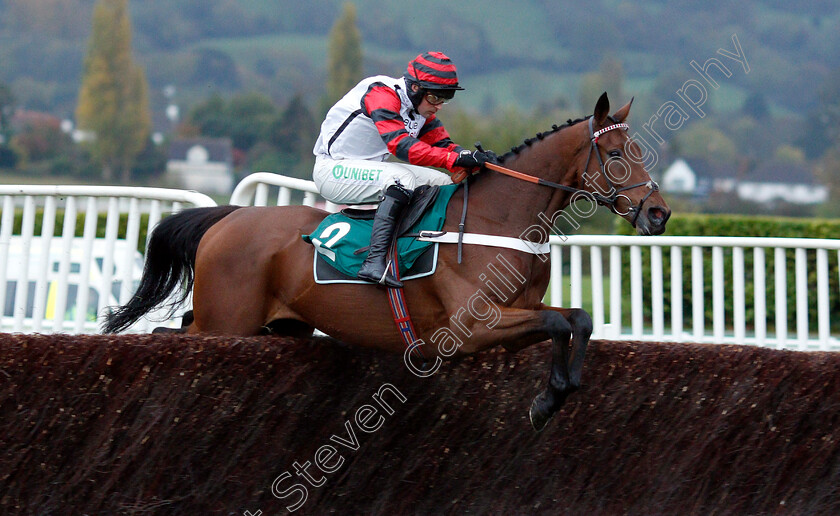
(389, 280)
(384, 280)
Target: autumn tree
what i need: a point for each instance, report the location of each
(113, 101)
(344, 49)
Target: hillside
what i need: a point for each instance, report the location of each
(520, 53)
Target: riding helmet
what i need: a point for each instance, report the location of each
(432, 71)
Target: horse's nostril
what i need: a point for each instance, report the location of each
(657, 215)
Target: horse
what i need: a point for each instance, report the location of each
(250, 270)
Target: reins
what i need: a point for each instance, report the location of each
(609, 201)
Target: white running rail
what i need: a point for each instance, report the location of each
(254, 190)
(51, 283)
(710, 271)
(775, 292)
(726, 290)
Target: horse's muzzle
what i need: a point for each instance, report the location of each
(652, 220)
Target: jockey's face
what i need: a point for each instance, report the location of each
(430, 104)
(428, 109)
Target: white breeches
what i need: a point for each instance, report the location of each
(356, 181)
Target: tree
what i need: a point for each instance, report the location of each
(828, 171)
(251, 115)
(821, 133)
(7, 101)
(756, 106)
(217, 68)
(208, 118)
(113, 100)
(291, 136)
(609, 78)
(787, 153)
(8, 156)
(345, 55)
(703, 140)
(245, 119)
(41, 140)
(295, 131)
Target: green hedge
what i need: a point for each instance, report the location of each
(741, 225)
(80, 225)
(732, 225)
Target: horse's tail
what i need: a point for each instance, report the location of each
(170, 262)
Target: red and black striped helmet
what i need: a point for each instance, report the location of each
(433, 71)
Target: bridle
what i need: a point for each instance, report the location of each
(609, 201)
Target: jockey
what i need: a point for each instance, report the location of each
(380, 117)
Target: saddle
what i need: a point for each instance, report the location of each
(342, 238)
(424, 196)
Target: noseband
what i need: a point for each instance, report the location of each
(609, 201)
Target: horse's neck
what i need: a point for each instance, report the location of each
(504, 205)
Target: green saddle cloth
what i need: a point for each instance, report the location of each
(338, 237)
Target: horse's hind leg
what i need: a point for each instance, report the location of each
(566, 365)
(163, 329)
(186, 321)
(228, 319)
(228, 305)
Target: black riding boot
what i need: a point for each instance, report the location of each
(375, 267)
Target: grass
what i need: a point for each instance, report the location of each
(586, 288)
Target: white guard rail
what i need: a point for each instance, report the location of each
(775, 292)
(51, 283)
(727, 290)
(254, 190)
(688, 279)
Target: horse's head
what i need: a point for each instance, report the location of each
(613, 172)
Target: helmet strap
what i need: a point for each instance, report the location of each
(416, 97)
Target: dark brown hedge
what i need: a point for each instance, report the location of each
(178, 425)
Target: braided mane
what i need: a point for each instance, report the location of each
(529, 141)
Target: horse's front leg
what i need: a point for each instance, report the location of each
(518, 328)
(564, 378)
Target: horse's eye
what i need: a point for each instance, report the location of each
(615, 153)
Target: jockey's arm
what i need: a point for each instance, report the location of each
(382, 105)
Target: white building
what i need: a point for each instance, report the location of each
(778, 181)
(768, 182)
(201, 164)
(697, 177)
(679, 178)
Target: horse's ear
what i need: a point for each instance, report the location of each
(621, 114)
(602, 109)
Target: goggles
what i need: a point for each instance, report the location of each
(436, 100)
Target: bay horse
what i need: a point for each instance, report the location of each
(250, 270)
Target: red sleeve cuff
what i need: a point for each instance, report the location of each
(450, 160)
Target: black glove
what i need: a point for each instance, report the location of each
(491, 156)
(467, 159)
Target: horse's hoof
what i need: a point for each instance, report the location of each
(538, 413)
(162, 329)
(187, 319)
